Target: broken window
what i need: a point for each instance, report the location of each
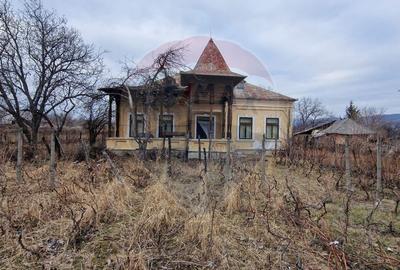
(204, 127)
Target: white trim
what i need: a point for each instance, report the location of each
(252, 127)
(208, 115)
(129, 122)
(158, 122)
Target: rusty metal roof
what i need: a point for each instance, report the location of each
(212, 63)
(251, 91)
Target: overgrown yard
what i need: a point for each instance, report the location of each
(180, 217)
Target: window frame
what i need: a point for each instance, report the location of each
(272, 125)
(159, 122)
(252, 127)
(214, 119)
(129, 123)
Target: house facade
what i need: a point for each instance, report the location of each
(212, 105)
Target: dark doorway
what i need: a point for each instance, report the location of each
(203, 127)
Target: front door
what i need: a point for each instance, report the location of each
(204, 127)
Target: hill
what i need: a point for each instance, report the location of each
(395, 118)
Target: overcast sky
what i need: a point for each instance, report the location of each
(336, 51)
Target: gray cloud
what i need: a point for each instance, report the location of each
(333, 50)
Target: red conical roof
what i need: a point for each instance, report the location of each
(211, 60)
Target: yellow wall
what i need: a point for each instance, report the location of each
(258, 110)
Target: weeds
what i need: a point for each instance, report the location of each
(178, 216)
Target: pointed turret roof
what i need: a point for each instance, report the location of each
(211, 62)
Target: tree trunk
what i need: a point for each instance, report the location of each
(19, 156)
(53, 161)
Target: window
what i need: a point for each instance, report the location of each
(272, 128)
(204, 127)
(139, 125)
(245, 128)
(165, 125)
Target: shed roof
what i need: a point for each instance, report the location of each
(347, 127)
(317, 127)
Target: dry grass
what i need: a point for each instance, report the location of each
(183, 218)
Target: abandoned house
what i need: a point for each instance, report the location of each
(211, 104)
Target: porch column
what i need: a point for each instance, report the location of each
(117, 114)
(189, 122)
(109, 120)
(189, 113)
(223, 116)
(230, 101)
(210, 117)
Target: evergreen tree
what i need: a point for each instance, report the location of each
(352, 111)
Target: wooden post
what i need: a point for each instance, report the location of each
(263, 176)
(169, 149)
(205, 159)
(230, 101)
(228, 170)
(379, 189)
(276, 146)
(169, 157)
(85, 151)
(53, 160)
(187, 147)
(223, 116)
(117, 115)
(210, 121)
(347, 164)
(189, 112)
(189, 122)
(163, 147)
(110, 100)
(19, 156)
(114, 169)
(199, 143)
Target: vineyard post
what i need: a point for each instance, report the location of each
(19, 155)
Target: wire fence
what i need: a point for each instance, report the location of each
(328, 153)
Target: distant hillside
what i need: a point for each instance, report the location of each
(392, 117)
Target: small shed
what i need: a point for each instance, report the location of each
(347, 128)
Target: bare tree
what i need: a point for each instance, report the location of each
(44, 66)
(372, 117)
(151, 87)
(95, 115)
(308, 111)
